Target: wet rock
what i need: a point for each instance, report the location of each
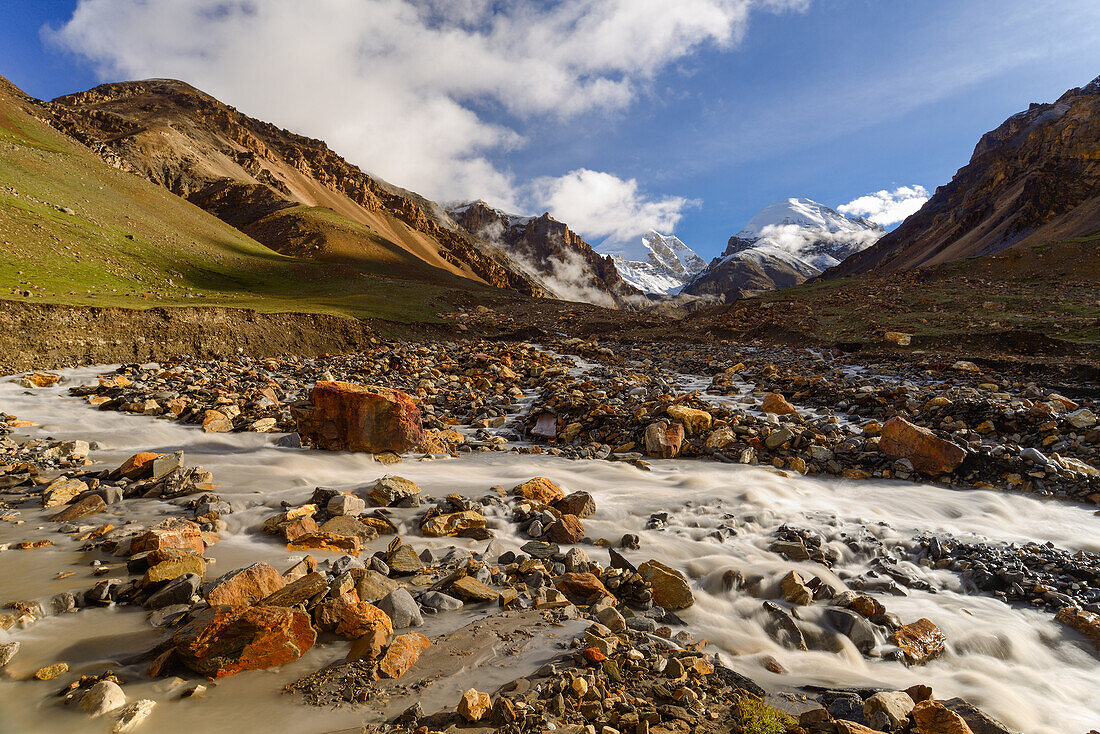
(579, 504)
(582, 588)
(8, 650)
(390, 491)
(374, 586)
(172, 533)
(178, 591)
(1087, 623)
(539, 489)
(89, 504)
(403, 653)
(932, 717)
(49, 672)
(176, 565)
(403, 561)
(345, 525)
(694, 420)
(566, 530)
(133, 716)
(921, 641)
(855, 627)
(245, 586)
(664, 440)
(62, 492)
(436, 601)
(215, 421)
(474, 705)
(39, 379)
(297, 591)
(101, 698)
(225, 640)
(402, 609)
(928, 452)
(670, 589)
(794, 589)
(347, 416)
(345, 504)
(470, 589)
(888, 710)
(355, 619)
(774, 402)
(326, 542)
(452, 523)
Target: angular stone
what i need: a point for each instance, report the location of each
(582, 588)
(694, 420)
(435, 601)
(178, 591)
(452, 524)
(391, 490)
(403, 653)
(345, 504)
(775, 403)
(39, 379)
(49, 672)
(921, 641)
(539, 489)
(62, 491)
(297, 591)
(404, 561)
(360, 618)
(172, 568)
(794, 589)
(215, 421)
(579, 504)
(566, 530)
(133, 715)
(1087, 623)
(474, 705)
(89, 504)
(888, 710)
(225, 640)
(670, 589)
(346, 416)
(720, 438)
(932, 717)
(326, 542)
(173, 533)
(374, 586)
(663, 440)
(925, 450)
(245, 586)
(470, 589)
(8, 650)
(101, 698)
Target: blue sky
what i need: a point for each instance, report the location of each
(616, 115)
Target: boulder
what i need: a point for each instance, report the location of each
(133, 715)
(355, 619)
(40, 379)
(921, 641)
(1087, 623)
(171, 568)
(347, 416)
(345, 504)
(374, 586)
(390, 490)
(89, 504)
(8, 651)
(720, 438)
(774, 402)
(138, 466)
(104, 696)
(452, 524)
(340, 525)
(794, 589)
(297, 591)
(215, 421)
(932, 717)
(172, 533)
(474, 705)
(402, 609)
(539, 489)
(670, 589)
(326, 542)
(402, 654)
(245, 586)
(888, 710)
(224, 640)
(579, 504)
(582, 588)
(178, 591)
(62, 491)
(566, 530)
(470, 589)
(694, 420)
(663, 440)
(925, 450)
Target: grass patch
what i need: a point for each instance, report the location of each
(757, 717)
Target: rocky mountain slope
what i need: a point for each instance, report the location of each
(290, 192)
(1033, 180)
(558, 256)
(785, 244)
(662, 264)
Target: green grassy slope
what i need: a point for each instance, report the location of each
(76, 231)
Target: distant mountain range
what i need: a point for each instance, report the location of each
(662, 264)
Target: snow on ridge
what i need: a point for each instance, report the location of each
(662, 263)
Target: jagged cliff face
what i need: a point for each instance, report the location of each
(564, 262)
(292, 193)
(1033, 180)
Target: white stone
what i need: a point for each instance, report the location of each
(133, 715)
(102, 698)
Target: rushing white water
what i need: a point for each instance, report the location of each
(1017, 664)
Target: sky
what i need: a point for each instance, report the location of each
(616, 116)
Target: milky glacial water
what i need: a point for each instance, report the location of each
(1017, 664)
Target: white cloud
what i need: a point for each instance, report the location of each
(601, 206)
(402, 87)
(887, 207)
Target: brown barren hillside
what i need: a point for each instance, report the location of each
(290, 192)
(1033, 180)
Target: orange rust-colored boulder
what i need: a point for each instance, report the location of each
(775, 403)
(326, 542)
(403, 654)
(933, 717)
(173, 533)
(663, 440)
(928, 452)
(245, 586)
(539, 489)
(566, 530)
(138, 466)
(347, 416)
(225, 640)
(355, 619)
(582, 588)
(921, 641)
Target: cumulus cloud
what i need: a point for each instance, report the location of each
(604, 206)
(887, 207)
(421, 92)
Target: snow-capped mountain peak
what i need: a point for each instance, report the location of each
(662, 263)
